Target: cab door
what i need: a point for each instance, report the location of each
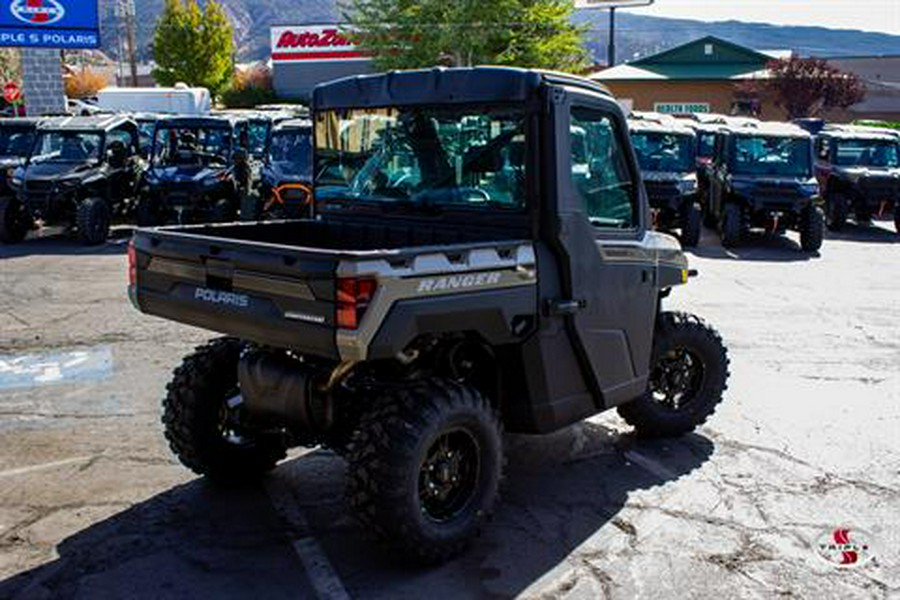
(608, 265)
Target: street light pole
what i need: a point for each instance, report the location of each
(611, 50)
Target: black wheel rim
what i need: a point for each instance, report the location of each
(677, 378)
(448, 477)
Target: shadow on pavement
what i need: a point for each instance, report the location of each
(852, 232)
(757, 246)
(64, 245)
(198, 541)
(193, 541)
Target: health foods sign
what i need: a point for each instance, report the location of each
(65, 24)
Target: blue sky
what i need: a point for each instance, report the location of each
(868, 15)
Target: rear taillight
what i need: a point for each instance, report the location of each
(132, 264)
(353, 297)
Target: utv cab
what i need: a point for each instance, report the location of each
(666, 153)
(199, 171)
(763, 178)
(285, 183)
(858, 169)
(82, 172)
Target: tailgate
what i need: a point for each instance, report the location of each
(268, 294)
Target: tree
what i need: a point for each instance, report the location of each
(84, 83)
(807, 87)
(194, 46)
(406, 34)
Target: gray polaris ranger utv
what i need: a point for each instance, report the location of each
(464, 275)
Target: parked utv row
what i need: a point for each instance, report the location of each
(744, 174)
(83, 173)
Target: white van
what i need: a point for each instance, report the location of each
(180, 100)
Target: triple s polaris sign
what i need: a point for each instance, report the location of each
(69, 24)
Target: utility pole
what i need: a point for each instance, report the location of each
(131, 36)
(611, 49)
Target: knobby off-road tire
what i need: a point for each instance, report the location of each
(691, 217)
(837, 211)
(15, 223)
(92, 221)
(731, 229)
(688, 377)
(424, 468)
(196, 418)
(812, 229)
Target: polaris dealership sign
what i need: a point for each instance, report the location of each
(67, 24)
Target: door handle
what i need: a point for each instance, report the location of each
(561, 308)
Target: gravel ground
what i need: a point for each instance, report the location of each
(92, 504)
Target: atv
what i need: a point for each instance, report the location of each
(469, 270)
(16, 141)
(285, 183)
(82, 172)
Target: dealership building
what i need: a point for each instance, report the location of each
(304, 56)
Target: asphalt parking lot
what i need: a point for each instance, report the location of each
(93, 505)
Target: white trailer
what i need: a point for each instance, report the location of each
(180, 100)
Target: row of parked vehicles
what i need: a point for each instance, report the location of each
(86, 172)
(737, 174)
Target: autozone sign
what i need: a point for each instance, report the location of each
(313, 42)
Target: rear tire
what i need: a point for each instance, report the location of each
(731, 226)
(837, 212)
(15, 223)
(690, 225)
(424, 468)
(92, 221)
(812, 229)
(688, 377)
(863, 215)
(199, 423)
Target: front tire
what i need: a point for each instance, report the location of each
(15, 223)
(92, 221)
(837, 212)
(731, 228)
(690, 225)
(200, 420)
(424, 468)
(688, 376)
(812, 229)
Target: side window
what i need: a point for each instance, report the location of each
(600, 171)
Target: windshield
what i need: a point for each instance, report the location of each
(258, 133)
(867, 153)
(291, 150)
(706, 145)
(16, 142)
(145, 132)
(67, 147)
(422, 157)
(776, 156)
(664, 151)
(180, 146)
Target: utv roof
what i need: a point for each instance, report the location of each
(21, 123)
(770, 129)
(292, 124)
(859, 132)
(192, 122)
(104, 122)
(665, 126)
(478, 85)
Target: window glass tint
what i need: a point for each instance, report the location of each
(867, 153)
(706, 145)
(258, 133)
(291, 150)
(67, 146)
(122, 137)
(761, 155)
(422, 157)
(664, 151)
(600, 171)
(16, 142)
(192, 145)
